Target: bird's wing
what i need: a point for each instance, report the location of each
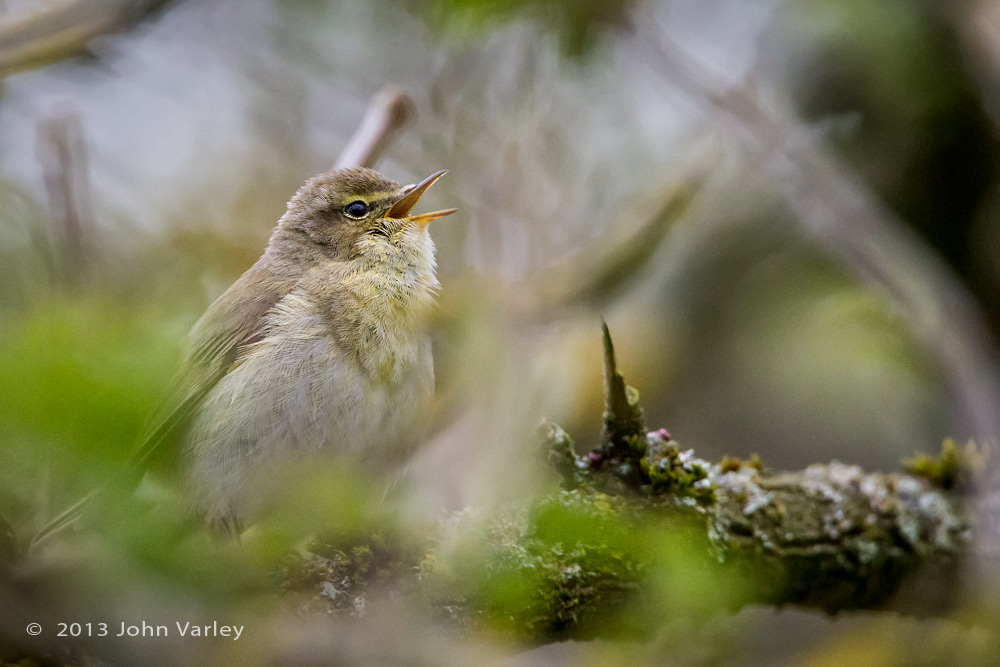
(230, 323)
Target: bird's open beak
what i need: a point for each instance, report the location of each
(404, 204)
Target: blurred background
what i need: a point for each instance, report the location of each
(827, 290)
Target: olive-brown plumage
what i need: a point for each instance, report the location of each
(318, 347)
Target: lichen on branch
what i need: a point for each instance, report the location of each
(644, 528)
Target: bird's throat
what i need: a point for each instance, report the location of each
(391, 297)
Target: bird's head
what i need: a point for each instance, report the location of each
(358, 213)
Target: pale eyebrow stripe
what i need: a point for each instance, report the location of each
(383, 201)
(374, 201)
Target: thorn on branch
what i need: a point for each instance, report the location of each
(623, 436)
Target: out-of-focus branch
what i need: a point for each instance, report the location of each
(64, 29)
(977, 24)
(61, 151)
(849, 221)
(388, 113)
(606, 269)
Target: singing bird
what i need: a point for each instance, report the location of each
(320, 345)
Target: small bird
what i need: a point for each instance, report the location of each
(319, 346)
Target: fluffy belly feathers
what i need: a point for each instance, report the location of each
(301, 394)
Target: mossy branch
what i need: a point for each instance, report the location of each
(641, 518)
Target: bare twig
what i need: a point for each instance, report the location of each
(64, 30)
(390, 110)
(61, 152)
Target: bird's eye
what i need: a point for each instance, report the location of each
(356, 209)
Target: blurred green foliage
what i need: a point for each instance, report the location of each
(578, 24)
(79, 376)
(83, 369)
